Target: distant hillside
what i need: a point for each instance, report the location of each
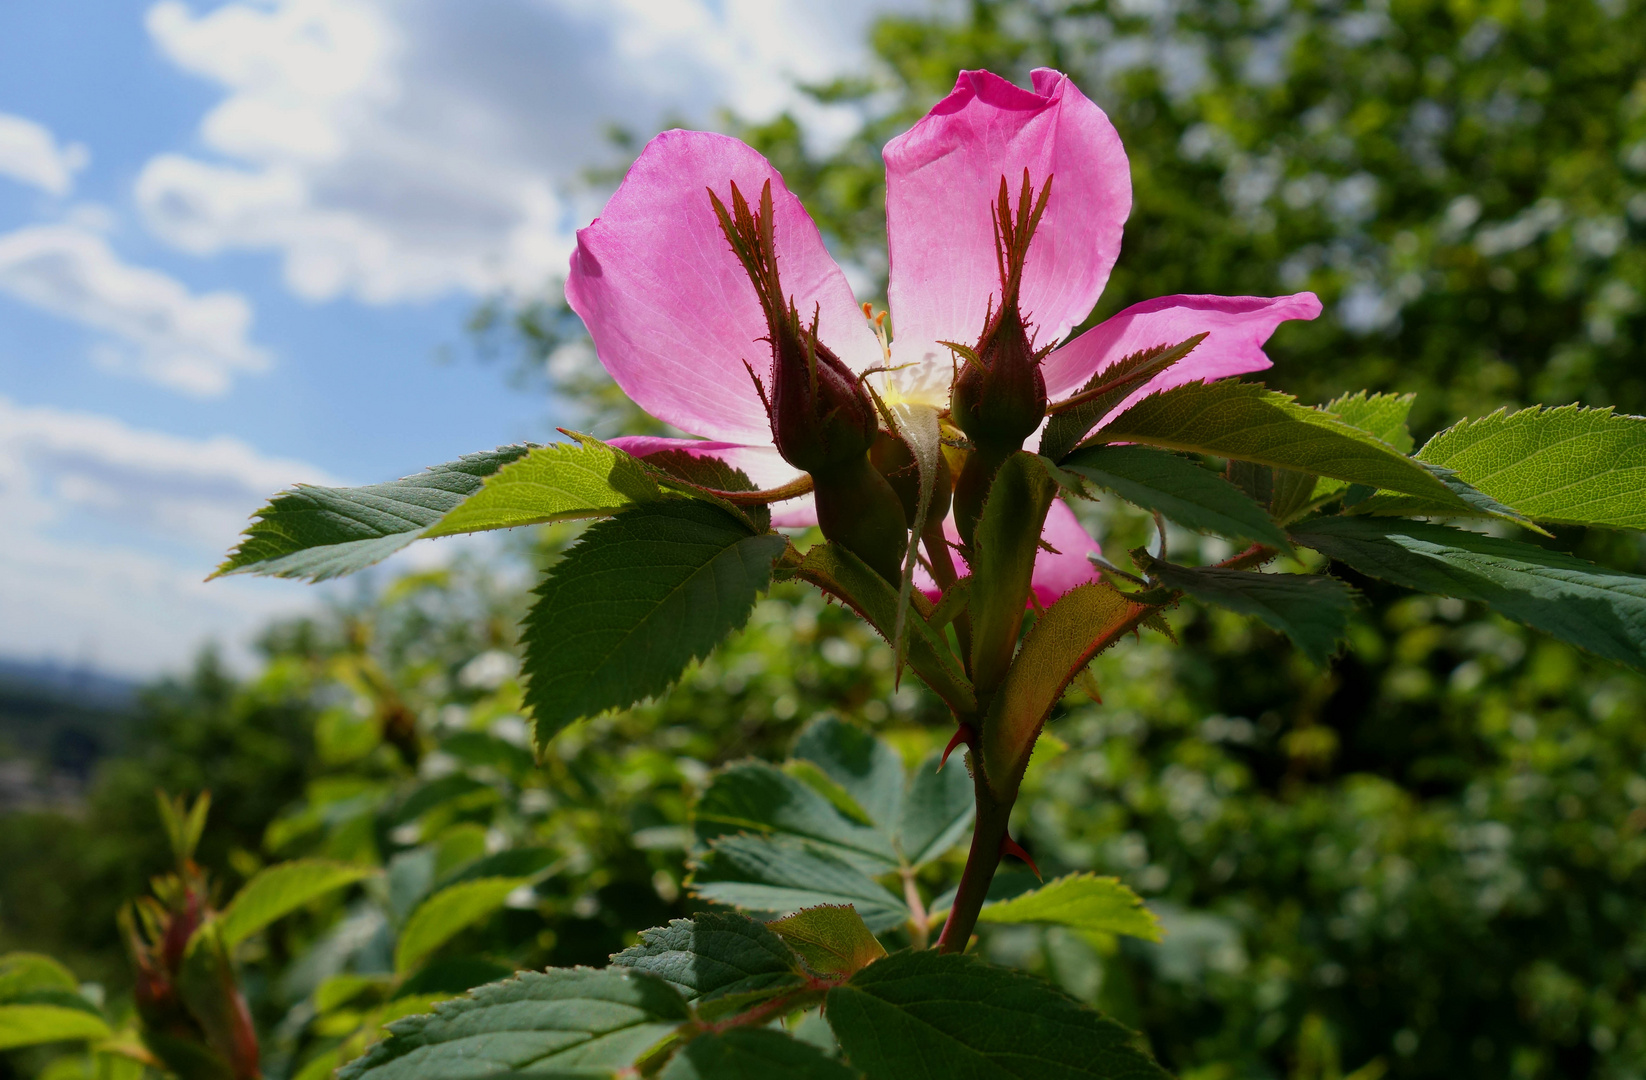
(62, 718)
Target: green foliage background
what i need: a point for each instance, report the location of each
(1427, 861)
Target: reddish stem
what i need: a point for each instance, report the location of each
(988, 831)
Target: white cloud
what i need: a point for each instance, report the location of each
(395, 151)
(32, 155)
(158, 329)
(110, 530)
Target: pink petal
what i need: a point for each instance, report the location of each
(1236, 328)
(761, 464)
(673, 314)
(942, 177)
(1054, 575)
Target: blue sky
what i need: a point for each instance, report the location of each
(237, 239)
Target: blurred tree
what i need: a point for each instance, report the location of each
(1462, 181)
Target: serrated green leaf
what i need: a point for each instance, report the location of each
(1080, 902)
(24, 972)
(714, 956)
(1311, 609)
(1567, 465)
(1247, 422)
(778, 875)
(753, 1054)
(1382, 415)
(869, 770)
(1361, 500)
(447, 913)
(773, 839)
(1191, 495)
(752, 796)
(837, 571)
(1083, 622)
(323, 532)
(563, 482)
(565, 1022)
(1601, 610)
(831, 939)
(820, 782)
(637, 599)
(280, 890)
(937, 811)
(28, 1025)
(1125, 377)
(926, 1014)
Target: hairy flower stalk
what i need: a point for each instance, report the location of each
(823, 421)
(999, 397)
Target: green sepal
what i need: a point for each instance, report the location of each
(1002, 561)
(1070, 423)
(1083, 622)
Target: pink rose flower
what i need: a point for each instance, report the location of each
(674, 317)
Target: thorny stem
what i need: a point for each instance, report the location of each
(981, 862)
(1254, 556)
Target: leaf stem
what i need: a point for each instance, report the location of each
(988, 830)
(793, 489)
(1254, 556)
(920, 923)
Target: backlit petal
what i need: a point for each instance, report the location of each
(942, 177)
(1236, 329)
(1054, 575)
(673, 314)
